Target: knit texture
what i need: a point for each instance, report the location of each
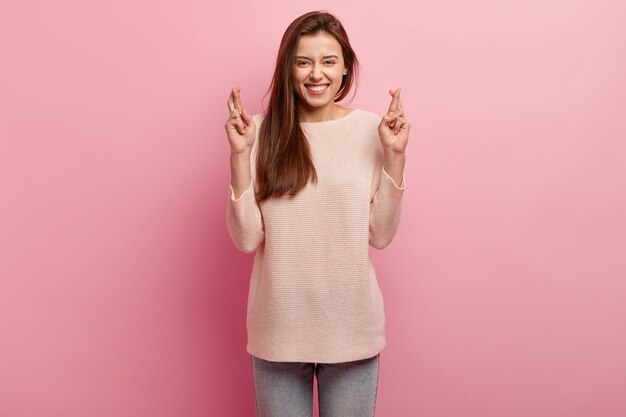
(313, 294)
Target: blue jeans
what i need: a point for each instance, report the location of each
(285, 389)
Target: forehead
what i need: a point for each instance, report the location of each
(319, 44)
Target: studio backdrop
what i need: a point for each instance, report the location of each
(121, 293)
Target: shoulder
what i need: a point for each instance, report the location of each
(366, 116)
(362, 120)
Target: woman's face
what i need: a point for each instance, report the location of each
(318, 71)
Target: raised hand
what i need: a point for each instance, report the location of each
(240, 126)
(394, 129)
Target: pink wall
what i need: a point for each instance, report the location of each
(122, 295)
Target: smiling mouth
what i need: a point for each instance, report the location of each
(317, 89)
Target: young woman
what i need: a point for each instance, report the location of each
(313, 185)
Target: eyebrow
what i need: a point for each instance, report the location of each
(324, 57)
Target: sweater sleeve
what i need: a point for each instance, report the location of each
(244, 220)
(243, 216)
(385, 210)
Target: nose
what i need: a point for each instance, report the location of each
(316, 73)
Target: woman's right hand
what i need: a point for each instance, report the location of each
(240, 126)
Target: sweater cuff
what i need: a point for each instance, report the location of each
(402, 185)
(232, 193)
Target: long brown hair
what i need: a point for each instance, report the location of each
(284, 164)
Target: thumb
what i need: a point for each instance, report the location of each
(387, 118)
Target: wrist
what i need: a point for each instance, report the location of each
(243, 156)
(393, 164)
(393, 157)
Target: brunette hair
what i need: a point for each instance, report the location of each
(284, 164)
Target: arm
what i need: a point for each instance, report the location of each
(386, 204)
(243, 217)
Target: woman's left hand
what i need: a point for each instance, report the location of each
(393, 128)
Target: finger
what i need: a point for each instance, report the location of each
(241, 127)
(389, 119)
(247, 118)
(231, 123)
(395, 96)
(235, 121)
(398, 102)
(385, 120)
(400, 110)
(392, 105)
(396, 126)
(403, 125)
(244, 119)
(231, 103)
(406, 127)
(400, 123)
(385, 123)
(237, 97)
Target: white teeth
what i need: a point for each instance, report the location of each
(317, 88)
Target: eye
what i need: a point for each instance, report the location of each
(329, 62)
(302, 63)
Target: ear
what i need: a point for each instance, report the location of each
(345, 72)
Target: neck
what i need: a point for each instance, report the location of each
(312, 115)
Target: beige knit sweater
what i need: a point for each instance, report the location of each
(313, 294)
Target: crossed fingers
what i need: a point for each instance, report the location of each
(396, 104)
(236, 109)
(395, 109)
(234, 100)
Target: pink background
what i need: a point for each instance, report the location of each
(122, 295)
